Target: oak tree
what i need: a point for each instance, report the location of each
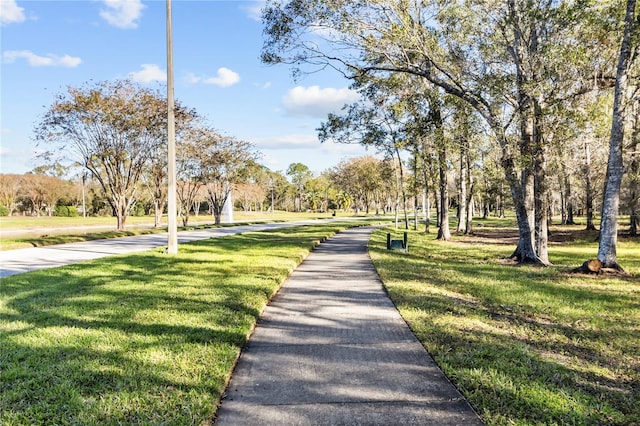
(508, 60)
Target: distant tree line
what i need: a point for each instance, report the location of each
(362, 185)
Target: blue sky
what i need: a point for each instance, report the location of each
(48, 45)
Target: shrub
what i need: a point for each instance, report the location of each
(137, 210)
(66, 211)
(4, 211)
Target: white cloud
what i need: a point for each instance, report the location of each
(148, 74)
(287, 142)
(122, 13)
(34, 60)
(223, 78)
(10, 12)
(316, 102)
(280, 151)
(191, 78)
(16, 160)
(304, 141)
(254, 11)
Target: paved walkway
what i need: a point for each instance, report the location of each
(331, 349)
(30, 259)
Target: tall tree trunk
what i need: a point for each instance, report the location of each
(427, 211)
(436, 196)
(470, 188)
(443, 188)
(462, 194)
(443, 231)
(524, 47)
(524, 207)
(469, 200)
(121, 206)
(157, 210)
(570, 220)
(415, 212)
(397, 201)
(588, 188)
(402, 188)
(566, 197)
(540, 191)
(415, 187)
(523, 190)
(562, 182)
(470, 208)
(426, 200)
(501, 207)
(615, 169)
(634, 172)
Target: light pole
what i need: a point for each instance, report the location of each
(172, 247)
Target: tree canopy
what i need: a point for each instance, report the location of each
(111, 128)
(513, 62)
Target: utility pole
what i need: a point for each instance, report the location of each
(171, 141)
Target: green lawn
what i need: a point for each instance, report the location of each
(25, 232)
(30, 223)
(151, 339)
(138, 339)
(525, 345)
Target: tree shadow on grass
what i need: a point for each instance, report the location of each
(138, 339)
(500, 362)
(63, 384)
(144, 338)
(523, 347)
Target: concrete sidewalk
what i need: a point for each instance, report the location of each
(331, 349)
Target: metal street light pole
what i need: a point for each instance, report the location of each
(171, 141)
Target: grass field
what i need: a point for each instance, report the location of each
(29, 223)
(139, 339)
(151, 339)
(526, 345)
(23, 232)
